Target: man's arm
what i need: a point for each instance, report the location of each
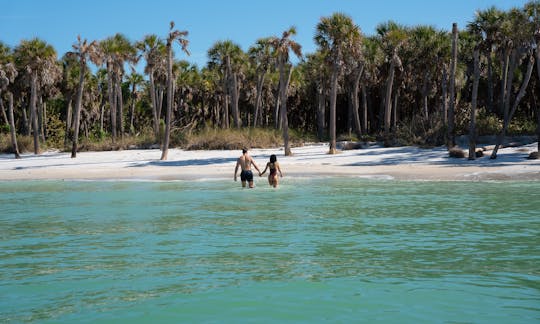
(255, 165)
(236, 168)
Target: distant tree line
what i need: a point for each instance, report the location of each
(404, 84)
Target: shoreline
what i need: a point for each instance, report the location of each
(309, 161)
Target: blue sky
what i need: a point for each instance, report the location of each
(58, 22)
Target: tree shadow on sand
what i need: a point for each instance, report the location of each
(190, 162)
(438, 156)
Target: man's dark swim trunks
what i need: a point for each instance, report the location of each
(246, 175)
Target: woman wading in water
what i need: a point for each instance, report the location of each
(273, 165)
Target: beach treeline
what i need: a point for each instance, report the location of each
(402, 85)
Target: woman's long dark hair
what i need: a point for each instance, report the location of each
(273, 158)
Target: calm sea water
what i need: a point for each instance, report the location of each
(324, 250)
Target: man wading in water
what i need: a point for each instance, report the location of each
(245, 161)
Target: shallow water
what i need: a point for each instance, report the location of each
(323, 250)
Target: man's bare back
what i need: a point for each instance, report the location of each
(244, 162)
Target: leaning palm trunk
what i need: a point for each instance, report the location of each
(520, 96)
(472, 125)
(77, 113)
(12, 127)
(132, 109)
(388, 100)
(170, 101)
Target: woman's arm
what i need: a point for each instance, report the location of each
(279, 169)
(261, 173)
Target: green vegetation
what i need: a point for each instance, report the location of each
(395, 86)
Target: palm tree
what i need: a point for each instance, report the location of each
(392, 37)
(8, 73)
(83, 51)
(134, 79)
(336, 36)
(487, 24)
(518, 32)
(373, 60)
(154, 51)
(178, 36)
(227, 57)
(316, 70)
(38, 60)
(261, 56)
(115, 51)
(354, 70)
(424, 54)
(281, 47)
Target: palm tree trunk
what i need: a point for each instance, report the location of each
(504, 80)
(225, 102)
(233, 90)
(321, 105)
(132, 109)
(356, 102)
(258, 100)
(520, 96)
(364, 110)
(283, 99)
(101, 115)
(34, 117)
(333, 99)
(41, 118)
(26, 122)
(170, 101)
(120, 107)
(444, 95)
(277, 122)
(490, 82)
(425, 95)
(77, 113)
(154, 103)
(112, 100)
(395, 111)
(4, 115)
(12, 126)
(69, 113)
(450, 135)
(234, 99)
(388, 100)
(472, 125)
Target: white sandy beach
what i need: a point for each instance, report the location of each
(402, 163)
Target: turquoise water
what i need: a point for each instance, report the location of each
(323, 250)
